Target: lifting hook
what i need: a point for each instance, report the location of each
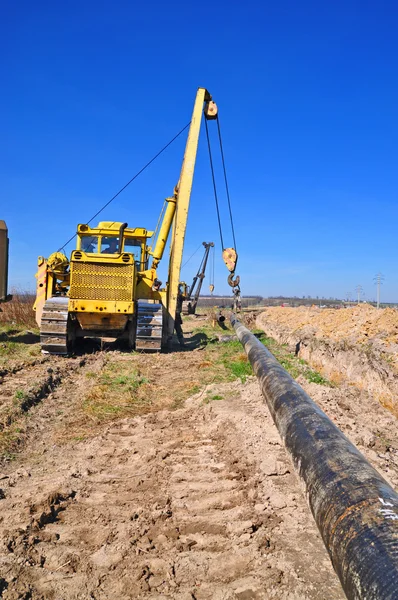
(233, 282)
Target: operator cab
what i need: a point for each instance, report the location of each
(115, 239)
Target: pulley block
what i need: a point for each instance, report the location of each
(230, 258)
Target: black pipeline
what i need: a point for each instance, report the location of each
(355, 509)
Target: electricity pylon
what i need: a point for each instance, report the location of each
(378, 279)
(359, 290)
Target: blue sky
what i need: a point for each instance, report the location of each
(308, 96)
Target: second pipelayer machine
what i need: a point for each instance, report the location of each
(109, 287)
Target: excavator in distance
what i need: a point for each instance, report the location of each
(193, 292)
(109, 286)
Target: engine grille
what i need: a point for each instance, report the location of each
(92, 281)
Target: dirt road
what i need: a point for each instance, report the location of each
(194, 499)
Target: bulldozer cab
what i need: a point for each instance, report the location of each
(115, 239)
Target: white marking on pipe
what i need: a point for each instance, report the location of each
(387, 512)
(384, 502)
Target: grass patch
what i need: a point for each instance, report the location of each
(294, 365)
(223, 362)
(13, 352)
(11, 439)
(315, 377)
(194, 390)
(239, 368)
(116, 393)
(213, 398)
(8, 349)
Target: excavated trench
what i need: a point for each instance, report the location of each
(364, 362)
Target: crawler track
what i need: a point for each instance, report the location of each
(149, 326)
(54, 326)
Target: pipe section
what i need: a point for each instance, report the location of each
(355, 509)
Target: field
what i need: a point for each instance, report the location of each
(126, 475)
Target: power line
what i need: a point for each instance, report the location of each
(131, 180)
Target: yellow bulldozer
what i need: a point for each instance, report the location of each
(109, 287)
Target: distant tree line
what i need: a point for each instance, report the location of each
(227, 301)
(321, 301)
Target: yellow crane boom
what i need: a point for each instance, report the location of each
(203, 98)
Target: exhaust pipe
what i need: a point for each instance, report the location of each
(354, 507)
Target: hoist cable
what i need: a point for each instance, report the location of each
(214, 185)
(212, 267)
(226, 182)
(192, 255)
(131, 180)
(201, 263)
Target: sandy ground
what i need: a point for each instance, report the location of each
(198, 502)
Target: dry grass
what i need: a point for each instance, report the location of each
(19, 311)
(18, 331)
(118, 391)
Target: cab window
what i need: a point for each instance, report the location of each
(110, 245)
(89, 243)
(134, 247)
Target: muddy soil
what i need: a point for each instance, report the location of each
(193, 500)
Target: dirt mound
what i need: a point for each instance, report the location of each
(359, 323)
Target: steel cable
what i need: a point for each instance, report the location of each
(131, 180)
(214, 185)
(212, 267)
(192, 255)
(226, 182)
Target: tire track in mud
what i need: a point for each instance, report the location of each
(22, 389)
(196, 503)
(6, 371)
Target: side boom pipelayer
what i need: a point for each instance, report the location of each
(107, 288)
(193, 292)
